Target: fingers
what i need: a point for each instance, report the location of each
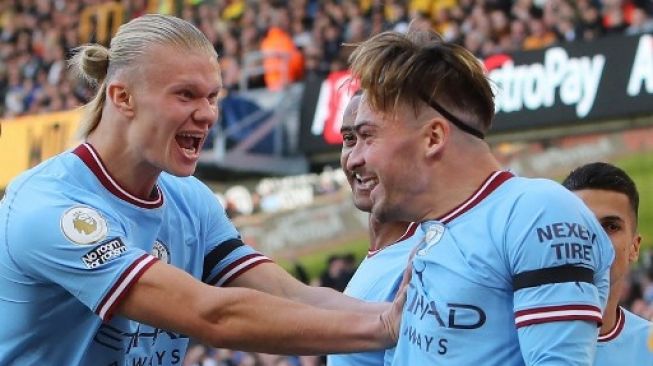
(397, 308)
(408, 271)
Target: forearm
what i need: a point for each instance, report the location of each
(255, 321)
(279, 283)
(327, 298)
(239, 318)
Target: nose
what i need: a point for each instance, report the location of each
(355, 158)
(206, 112)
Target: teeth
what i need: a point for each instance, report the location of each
(195, 136)
(367, 183)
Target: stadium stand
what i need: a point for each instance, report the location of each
(274, 44)
(38, 35)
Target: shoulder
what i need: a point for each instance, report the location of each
(634, 321)
(536, 189)
(48, 188)
(51, 173)
(536, 199)
(39, 200)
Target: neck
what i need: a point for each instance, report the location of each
(610, 313)
(453, 182)
(128, 171)
(383, 234)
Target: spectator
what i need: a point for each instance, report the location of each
(641, 23)
(282, 61)
(39, 35)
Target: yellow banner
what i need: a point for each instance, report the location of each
(27, 141)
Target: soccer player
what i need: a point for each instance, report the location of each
(379, 275)
(512, 270)
(612, 195)
(111, 254)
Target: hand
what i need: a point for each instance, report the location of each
(391, 318)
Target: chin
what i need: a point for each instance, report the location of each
(365, 206)
(362, 202)
(380, 212)
(181, 171)
(387, 212)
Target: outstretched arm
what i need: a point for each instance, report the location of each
(245, 319)
(279, 283)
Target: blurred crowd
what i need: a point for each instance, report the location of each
(291, 40)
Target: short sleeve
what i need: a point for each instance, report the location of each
(559, 258)
(225, 254)
(81, 248)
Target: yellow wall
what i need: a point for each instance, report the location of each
(27, 141)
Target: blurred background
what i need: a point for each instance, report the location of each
(574, 84)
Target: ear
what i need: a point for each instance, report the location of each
(437, 134)
(633, 254)
(120, 97)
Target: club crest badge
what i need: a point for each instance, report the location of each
(161, 251)
(83, 225)
(433, 232)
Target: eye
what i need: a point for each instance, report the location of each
(611, 227)
(213, 98)
(363, 134)
(186, 94)
(348, 139)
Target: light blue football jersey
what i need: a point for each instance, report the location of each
(517, 274)
(72, 242)
(377, 279)
(627, 343)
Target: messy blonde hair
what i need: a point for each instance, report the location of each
(419, 67)
(97, 64)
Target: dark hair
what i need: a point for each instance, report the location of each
(603, 176)
(419, 67)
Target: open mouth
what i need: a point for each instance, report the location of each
(367, 183)
(189, 143)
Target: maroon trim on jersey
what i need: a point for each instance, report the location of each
(549, 314)
(92, 159)
(489, 185)
(238, 267)
(127, 279)
(618, 327)
(410, 231)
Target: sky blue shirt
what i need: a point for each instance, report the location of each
(72, 243)
(517, 274)
(377, 279)
(628, 343)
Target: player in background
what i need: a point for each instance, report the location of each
(111, 254)
(379, 275)
(512, 271)
(612, 195)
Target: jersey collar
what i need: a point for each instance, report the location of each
(410, 230)
(616, 330)
(92, 159)
(490, 184)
